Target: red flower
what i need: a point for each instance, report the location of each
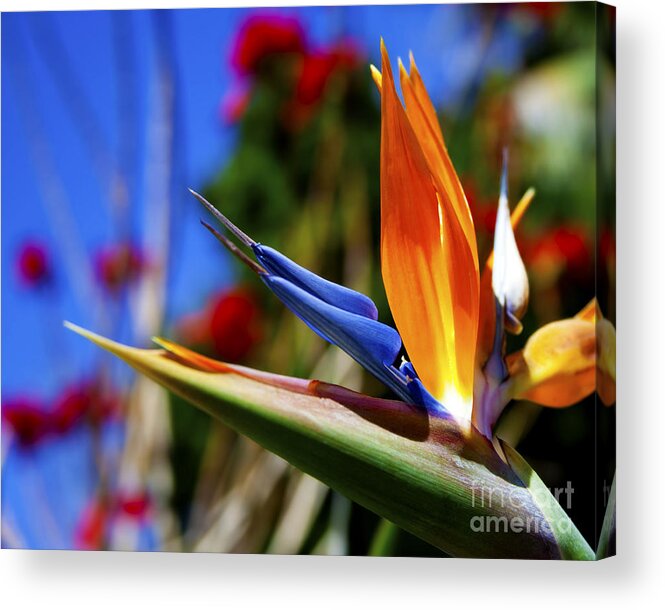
(573, 245)
(98, 516)
(484, 218)
(28, 420)
(263, 36)
(317, 69)
(119, 266)
(543, 10)
(563, 248)
(607, 247)
(135, 505)
(234, 104)
(92, 527)
(482, 210)
(82, 401)
(235, 325)
(33, 263)
(71, 408)
(230, 324)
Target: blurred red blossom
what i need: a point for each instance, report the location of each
(234, 104)
(28, 419)
(318, 67)
(317, 70)
(133, 505)
(564, 248)
(34, 265)
(230, 324)
(542, 10)
(92, 527)
(97, 517)
(70, 408)
(82, 401)
(262, 36)
(482, 209)
(607, 247)
(119, 265)
(484, 218)
(32, 421)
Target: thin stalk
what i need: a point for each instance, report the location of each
(384, 539)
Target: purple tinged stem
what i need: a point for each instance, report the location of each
(233, 249)
(241, 235)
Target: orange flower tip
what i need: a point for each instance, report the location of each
(590, 312)
(376, 76)
(385, 59)
(402, 69)
(413, 68)
(163, 343)
(522, 206)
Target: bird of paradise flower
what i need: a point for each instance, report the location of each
(426, 461)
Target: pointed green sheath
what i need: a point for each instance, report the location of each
(424, 474)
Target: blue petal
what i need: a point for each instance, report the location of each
(341, 316)
(420, 396)
(406, 368)
(334, 294)
(418, 392)
(372, 344)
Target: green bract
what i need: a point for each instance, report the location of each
(423, 473)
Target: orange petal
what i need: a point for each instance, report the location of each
(606, 351)
(590, 312)
(426, 260)
(210, 365)
(376, 77)
(487, 319)
(565, 361)
(557, 367)
(423, 119)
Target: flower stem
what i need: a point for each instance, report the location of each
(384, 539)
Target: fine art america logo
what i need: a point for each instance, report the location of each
(487, 498)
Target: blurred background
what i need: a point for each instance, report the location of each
(108, 117)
